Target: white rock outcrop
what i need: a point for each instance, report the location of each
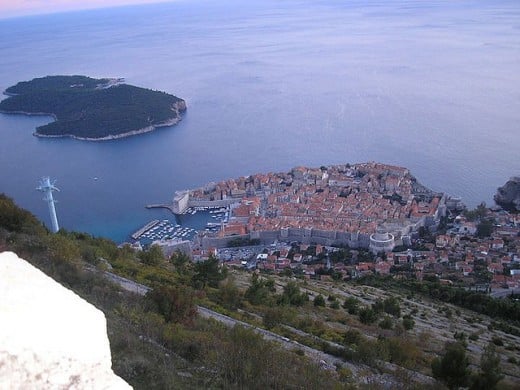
(50, 338)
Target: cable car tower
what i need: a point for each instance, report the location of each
(46, 186)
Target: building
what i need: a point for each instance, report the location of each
(381, 242)
(180, 202)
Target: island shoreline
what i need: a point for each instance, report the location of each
(143, 130)
(178, 107)
(30, 113)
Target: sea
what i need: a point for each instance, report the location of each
(269, 85)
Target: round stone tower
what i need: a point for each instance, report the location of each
(381, 241)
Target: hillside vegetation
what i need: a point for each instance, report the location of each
(376, 332)
(158, 341)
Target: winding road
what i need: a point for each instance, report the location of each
(360, 373)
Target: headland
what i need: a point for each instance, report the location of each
(368, 205)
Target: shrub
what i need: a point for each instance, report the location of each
(473, 337)
(408, 322)
(490, 372)
(460, 336)
(344, 374)
(319, 300)
(386, 323)
(401, 351)
(273, 317)
(367, 315)
(229, 295)
(391, 306)
(334, 305)
(452, 367)
(152, 256)
(260, 291)
(351, 304)
(352, 337)
(292, 295)
(368, 352)
(497, 341)
(175, 304)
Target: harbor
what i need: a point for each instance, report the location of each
(144, 229)
(184, 226)
(162, 231)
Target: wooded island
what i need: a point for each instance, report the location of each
(92, 109)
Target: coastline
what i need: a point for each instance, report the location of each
(111, 82)
(112, 137)
(178, 107)
(30, 113)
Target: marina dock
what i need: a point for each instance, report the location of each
(145, 228)
(162, 231)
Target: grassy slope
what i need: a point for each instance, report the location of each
(150, 351)
(147, 350)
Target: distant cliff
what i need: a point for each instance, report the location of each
(92, 109)
(508, 196)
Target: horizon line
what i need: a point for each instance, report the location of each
(28, 13)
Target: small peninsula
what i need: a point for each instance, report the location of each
(508, 196)
(92, 109)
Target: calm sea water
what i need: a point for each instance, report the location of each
(271, 85)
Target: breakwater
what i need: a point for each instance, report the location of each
(145, 228)
(160, 206)
(181, 203)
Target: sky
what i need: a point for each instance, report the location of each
(14, 8)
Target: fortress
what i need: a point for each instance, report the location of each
(384, 241)
(182, 201)
(370, 205)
